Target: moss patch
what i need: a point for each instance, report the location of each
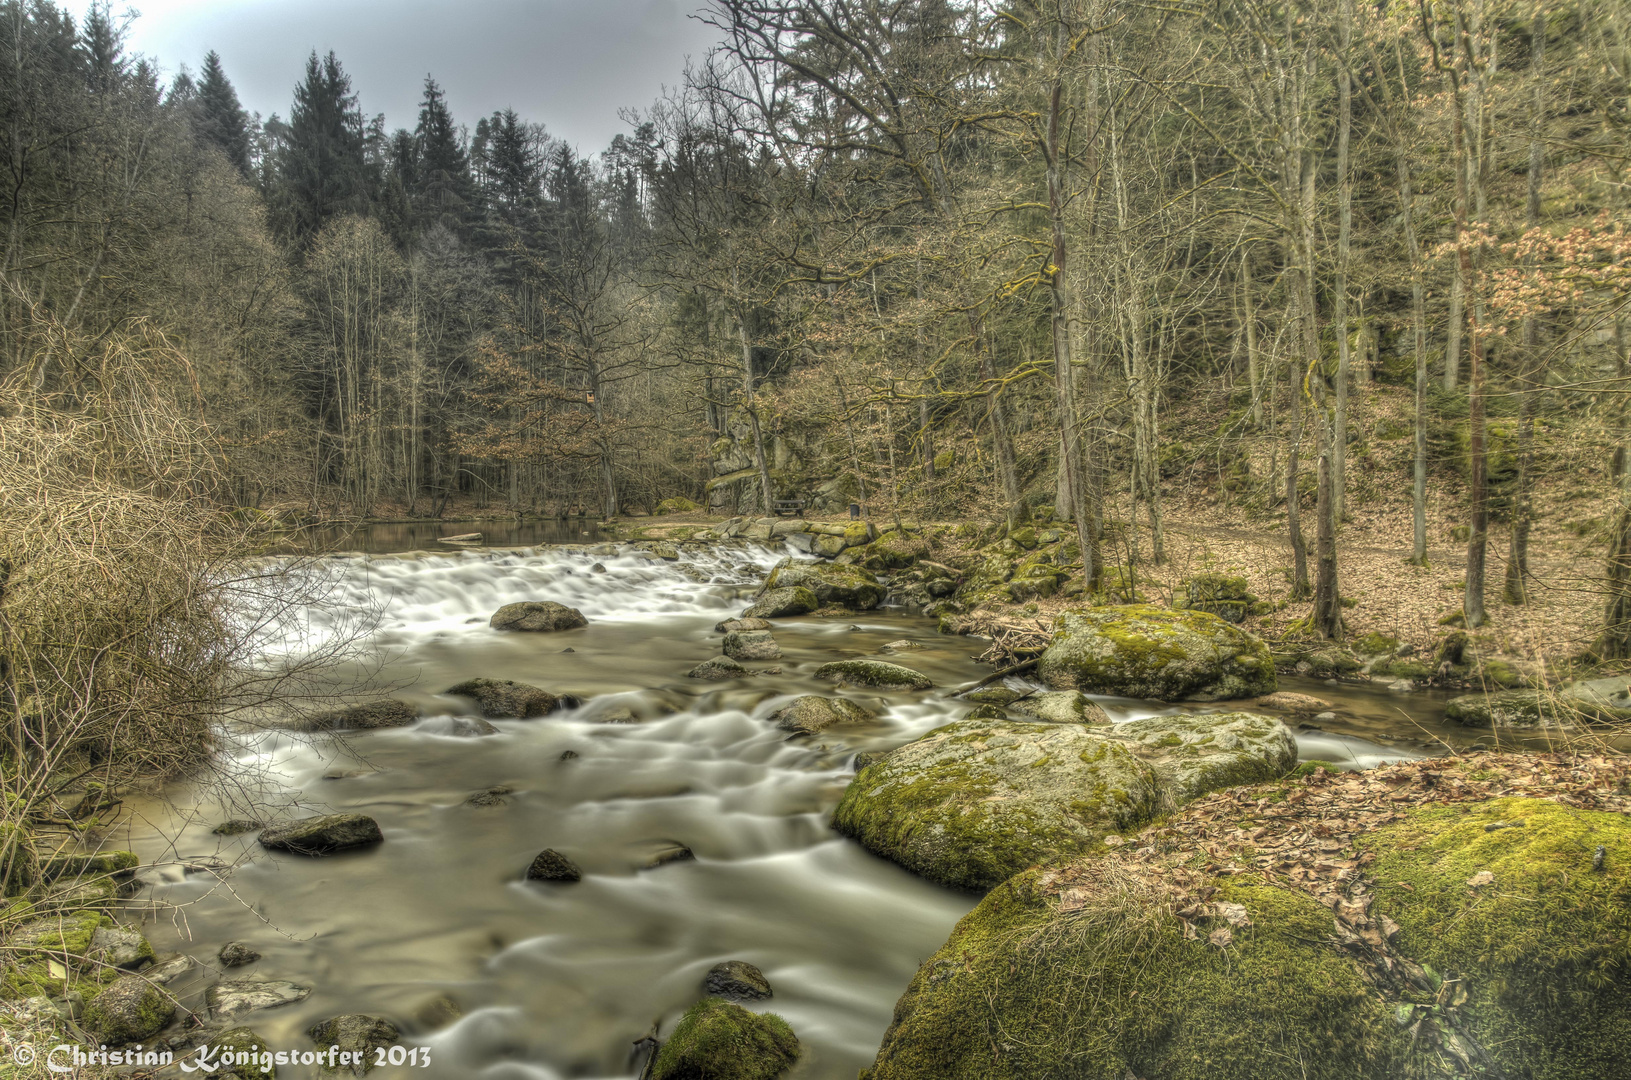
(1151, 652)
(718, 1040)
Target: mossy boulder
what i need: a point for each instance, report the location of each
(898, 549)
(537, 616)
(130, 1010)
(677, 505)
(782, 603)
(1143, 651)
(1510, 709)
(873, 673)
(847, 586)
(66, 936)
(1057, 707)
(1077, 973)
(719, 1040)
(1196, 754)
(812, 713)
(1375, 644)
(976, 801)
(1522, 907)
(506, 699)
(1225, 595)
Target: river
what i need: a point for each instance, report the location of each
(559, 981)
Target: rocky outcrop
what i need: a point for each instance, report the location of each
(812, 714)
(844, 586)
(322, 835)
(873, 673)
(1141, 651)
(1460, 942)
(782, 603)
(537, 616)
(506, 699)
(976, 801)
(718, 1040)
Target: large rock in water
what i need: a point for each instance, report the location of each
(782, 603)
(1137, 650)
(322, 835)
(717, 1040)
(813, 713)
(974, 802)
(1498, 951)
(847, 586)
(506, 699)
(751, 645)
(538, 616)
(874, 673)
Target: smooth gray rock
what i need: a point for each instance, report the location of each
(364, 717)
(537, 616)
(812, 713)
(121, 948)
(663, 852)
(322, 835)
(1196, 754)
(226, 999)
(730, 625)
(751, 645)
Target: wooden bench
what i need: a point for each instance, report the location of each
(786, 507)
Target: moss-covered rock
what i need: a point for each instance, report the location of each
(976, 801)
(1510, 709)
(1059, 707)
(719, 667)
(813, 713)
(873, 673)
(1150, 652)
(355, 1033)
(1077, 974)
(1196, 754)
(242, 1041)
(898, 549)
(848, 586)
(130, 1010)
(719, 1040)
(1375, 644)
(1522, 907)
(1225, 595)
(782, 603)
(677, 505)
(505, 698)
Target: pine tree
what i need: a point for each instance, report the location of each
(321, 169)
(444, 191)
(220, 120)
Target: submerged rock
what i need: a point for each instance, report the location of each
(874, 673)
(493, 796)
(720, 667)
(130, 1010)
(737, 979)
(812, 713)
(469, 727)
(237, 954)
(505, 699)
(663, 852)
(1142, 651)
(845, 586)
(364, 717)
(782, 603)
(226, 999)
(751, 645)
(358, 1034)
(551, 865)
(537, 616)
(718, 1040)
(322, 835)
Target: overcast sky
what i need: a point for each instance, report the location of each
(569, 64)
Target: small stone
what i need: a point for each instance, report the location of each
(551, 865)
(1325, 717)
(1599, 857)
(598, 568)
(900, 646)
(1403, 686)
(568, 649)
(751, 645)
(986, 712)
(236, 954)
(738, 980)
(237, 826)
(493, 796)
(468, 727)
(568, 755)
(667, 851)
(720, 667)
(226, 999)
(121, 948)
(438, 1012)
(1480, 879)
(322, 835)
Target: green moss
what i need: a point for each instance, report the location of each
(1026, 990)
(1145, 651)
(1374, 644)
(1310, 767)
(1540, 952)
(873, 673)
(718, 1040)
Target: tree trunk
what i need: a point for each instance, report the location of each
(1478, 488)
(1339, 440)
(1326, 619)
(1616, 640)
(767, 492)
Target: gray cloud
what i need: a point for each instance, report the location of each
(569, 64)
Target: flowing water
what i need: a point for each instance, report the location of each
(559, 980)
